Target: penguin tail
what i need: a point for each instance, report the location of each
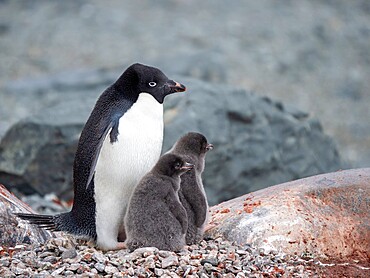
(64, 222)
(43, 221)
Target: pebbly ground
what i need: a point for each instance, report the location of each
(213, 257)
(314, 55)
(64, 256)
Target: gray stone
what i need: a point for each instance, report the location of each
(257, 142)
(159, 272)
(99, 267)
(170, 261)
(110, 269)
(50, 259)
(58, 271)
(69, 254)
(99, 257)
(146, 251)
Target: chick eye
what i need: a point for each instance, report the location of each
(152, 84)
(178, 165)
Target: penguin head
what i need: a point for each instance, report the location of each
(140, 78)
(172, 165)
(193, 143)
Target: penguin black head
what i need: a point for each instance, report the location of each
(194, 143)
(140, 78)
(172, 165)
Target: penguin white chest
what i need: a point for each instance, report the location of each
(122, 164)
(139, 143)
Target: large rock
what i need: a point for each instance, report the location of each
(325, 216)
(13, 231)
(36, 153)
(258, 142)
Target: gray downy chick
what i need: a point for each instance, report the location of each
(193, 148)
(155, 215)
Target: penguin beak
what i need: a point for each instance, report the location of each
(175, 86)
(187, 166)
(209, 147)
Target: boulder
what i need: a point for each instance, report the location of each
(14, 231)
(325, 216)
(258, 142)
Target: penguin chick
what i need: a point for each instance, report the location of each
(193, 148)
(155, 215)
(120, 142)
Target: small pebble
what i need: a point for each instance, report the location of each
(69, 254)
(170, 261)
(110, 269)
(50, 259)
(99, 267)
(58, 271)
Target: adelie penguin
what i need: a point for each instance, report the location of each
(155, 215)
(193, 148)
(120, 142)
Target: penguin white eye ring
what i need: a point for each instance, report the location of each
(152, 84)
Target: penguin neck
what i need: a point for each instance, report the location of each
(127, 83)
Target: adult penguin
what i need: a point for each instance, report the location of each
(120, 142)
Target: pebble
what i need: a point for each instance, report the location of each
(110, 269)
(99, 267)
(69, 254)
(58, 271)
(170, 261)
(50, 259)
(99, 257)
(211, 258)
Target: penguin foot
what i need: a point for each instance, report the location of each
(116, 246)
(121, 245)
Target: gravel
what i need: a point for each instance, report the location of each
(66, 256)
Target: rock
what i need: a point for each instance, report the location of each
(170, 261)
(110, 269)
(147, 251)
(37, 156)
(159, 272)
(69, 254)
(14, 231)
(99, 257)
(99, 267)
(325, 216)
(258, 142)
(58, 271)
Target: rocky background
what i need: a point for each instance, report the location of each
(261, 63)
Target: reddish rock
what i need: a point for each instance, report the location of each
(326, 216)
(12, 230)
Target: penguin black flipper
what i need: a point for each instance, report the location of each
(113, 128)
(101, 122)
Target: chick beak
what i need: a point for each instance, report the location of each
(187, 166)
(209, 147)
